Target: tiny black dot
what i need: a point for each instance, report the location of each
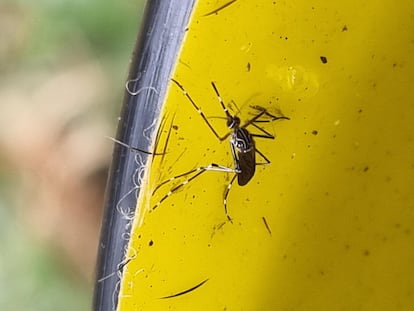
(324, 60)
(366, 168)
(315, 132)
(151, 243)
(345, 28)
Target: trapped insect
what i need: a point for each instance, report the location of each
(242, 145)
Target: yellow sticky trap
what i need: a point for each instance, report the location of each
(328, 224)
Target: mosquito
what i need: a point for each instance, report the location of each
(242, 146)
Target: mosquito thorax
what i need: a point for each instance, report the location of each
(233, 122)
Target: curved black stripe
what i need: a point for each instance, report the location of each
(185, 291)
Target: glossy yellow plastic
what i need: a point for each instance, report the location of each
(328, 225)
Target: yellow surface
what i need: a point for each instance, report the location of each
(338, 196)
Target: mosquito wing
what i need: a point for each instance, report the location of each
(247, 165)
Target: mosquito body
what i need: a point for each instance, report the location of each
(242, 147)
(244, 154)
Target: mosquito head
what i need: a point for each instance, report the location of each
(233, 122)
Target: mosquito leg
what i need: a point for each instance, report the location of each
(200, 112)
(174, 189)
(252, 120)
(273, 117)
(235, 158)
(199, 170)
(267, 134)
(226, 194)
(264, 158)
(272, 120)
(262, 136)
(176, 177)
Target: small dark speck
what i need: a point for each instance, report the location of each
(186, 29)
(248, 67)
(324, 60)
(274, 2)
(151, 243)
(315, 132)
(367, 253)
(394, 65)
(360, 110)
(366, 168)
(345, 28)
(175, 127)
(286, 38)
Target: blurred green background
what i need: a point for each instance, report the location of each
(63, 65)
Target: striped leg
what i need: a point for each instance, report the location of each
(226, 194)
(199, 170)
(201, 113)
